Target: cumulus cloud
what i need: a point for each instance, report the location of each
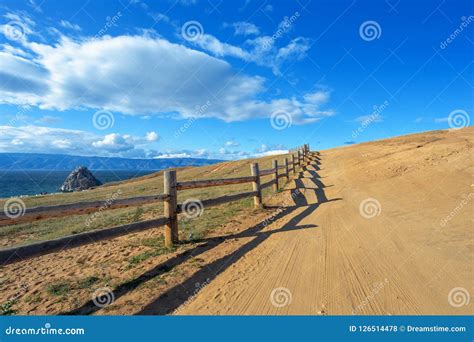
(37, 139)
(151, 136)
(114, 143)
(155, 77)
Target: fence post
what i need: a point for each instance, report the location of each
(299, 158)
(257, 199)
(287, 174)
(275, 184)
(170, 204)
(293, 163)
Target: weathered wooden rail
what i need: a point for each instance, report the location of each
(171, 208)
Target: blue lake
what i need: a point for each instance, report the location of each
(17, 183)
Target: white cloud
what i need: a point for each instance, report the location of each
(152, 136)
(39, 139)
(14, 50)
(260, 50)
(114, 143)
(69, 25)
(231, 143)
(22, 24)
(155, 77)
(269, 153)
(245, 28)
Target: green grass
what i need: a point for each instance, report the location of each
(156, 246)
(6, 308)
(58, 289)
(33, 298)
(87, 282)
(62, 288)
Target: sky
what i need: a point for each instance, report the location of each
(229, 79)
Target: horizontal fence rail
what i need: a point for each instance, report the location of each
(80, 208)
(213, 182)
(267, 172)
(221, 200)
(14, 254)
(171, 207)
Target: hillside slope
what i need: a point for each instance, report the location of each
(381, 228)
(317, 248)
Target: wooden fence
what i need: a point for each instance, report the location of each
(171, 208)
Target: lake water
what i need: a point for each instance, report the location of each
(17, 183)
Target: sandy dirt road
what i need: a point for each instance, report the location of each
(380, 228)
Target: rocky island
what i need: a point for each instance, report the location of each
(80, 179)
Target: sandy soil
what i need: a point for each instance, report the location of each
(411, 255)
(313, 250)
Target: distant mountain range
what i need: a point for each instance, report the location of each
(59, 162)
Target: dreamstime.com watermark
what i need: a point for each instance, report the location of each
(369, 208)
(373, 117)
(465, 21)
(46, 330)
(192, 208)
(109, 22)
(20, 115)
(458, 119)
(103, 296)
(104, 207)
(14, 208)
(103, 119)
(370, 30)
(283, 27)
(375, 290)
(192, 30)
(197, 287)
(458, 297)
(281, 208)
(280, 120)
(281, 297)
(457, 209)
(198, 112)
(14, 30)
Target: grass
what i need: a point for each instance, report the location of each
(58, 289)
(87, 282)
(156, 246)
(6, 308)
(34, 298)
(190, 230)
(63, 288)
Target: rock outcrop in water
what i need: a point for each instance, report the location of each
(80, 179)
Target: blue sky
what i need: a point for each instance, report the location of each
(229, 79)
